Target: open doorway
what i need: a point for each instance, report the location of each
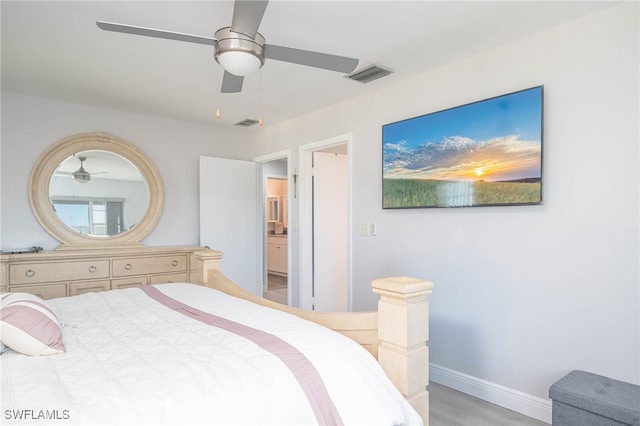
(325, 225)
(241, 229)
(277, 228)
(274, 226)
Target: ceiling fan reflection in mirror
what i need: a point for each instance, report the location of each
(81, 175)
(240, 49)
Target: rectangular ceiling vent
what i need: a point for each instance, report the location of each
(368, 74)
(247, 122)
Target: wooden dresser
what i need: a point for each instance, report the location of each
(61, 273)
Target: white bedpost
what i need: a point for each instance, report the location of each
(403, 331)
(203, 262)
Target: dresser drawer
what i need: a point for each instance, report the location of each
(129, 282)
(149, 265)
(168, 278)
(31, 273)
(81, 287)
(48, 291)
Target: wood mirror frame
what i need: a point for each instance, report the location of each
(70, 239)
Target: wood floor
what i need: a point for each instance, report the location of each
(277, 289)
(448, 407)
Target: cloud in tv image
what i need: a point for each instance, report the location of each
(487, 153)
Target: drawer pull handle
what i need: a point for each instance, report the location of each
(127, 266)
(92, 269)
(39, 295)
(30, 273)
(174, 263)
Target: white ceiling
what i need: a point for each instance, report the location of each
(54, 49)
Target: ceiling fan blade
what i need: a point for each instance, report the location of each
(247, 15)
(150, 32)
(311, 59)
(231, 83)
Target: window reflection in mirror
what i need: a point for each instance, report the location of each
(98, 193)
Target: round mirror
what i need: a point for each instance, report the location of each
(95, 190)
(98, 193)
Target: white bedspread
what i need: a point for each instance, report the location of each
(132, 360)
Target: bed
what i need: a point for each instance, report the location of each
(210, 353)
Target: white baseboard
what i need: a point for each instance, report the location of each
(529, 405)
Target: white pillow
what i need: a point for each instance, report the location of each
(29, 326)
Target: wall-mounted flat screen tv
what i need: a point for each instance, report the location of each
(486, 153)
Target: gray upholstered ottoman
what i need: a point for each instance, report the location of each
(586, 399)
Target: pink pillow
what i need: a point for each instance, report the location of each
(29, 326)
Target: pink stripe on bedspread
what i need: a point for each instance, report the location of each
(299, 365)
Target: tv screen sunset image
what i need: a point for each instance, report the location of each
(487, 153)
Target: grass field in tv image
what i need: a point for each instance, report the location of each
(399, 193)
(488, 153)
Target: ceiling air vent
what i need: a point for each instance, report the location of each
(247, 122)
(368, 74)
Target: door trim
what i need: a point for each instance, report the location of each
(306, 216)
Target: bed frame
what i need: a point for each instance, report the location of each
(396, 334)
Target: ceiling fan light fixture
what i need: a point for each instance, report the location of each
(239, 54)
(239, 63)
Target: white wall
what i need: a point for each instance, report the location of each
(522, 294)
(30, 125)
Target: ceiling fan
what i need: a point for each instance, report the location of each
(240, 49)
(80, 175)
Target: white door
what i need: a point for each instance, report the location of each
(229, 218)
(330, 232)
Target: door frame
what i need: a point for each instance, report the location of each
(262, 214)
(306, 216)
